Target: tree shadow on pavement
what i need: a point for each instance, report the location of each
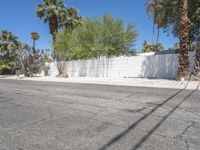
(144, 138)
(135, 124)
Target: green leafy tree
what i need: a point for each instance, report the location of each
(35, 36)
(104, 36)
(64, 45)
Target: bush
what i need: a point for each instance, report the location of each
(30, 62)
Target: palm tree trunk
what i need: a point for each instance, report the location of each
(183, 68)
(153, 32)
(33, 44)
(53, 26)
(155, 19)
(53, 45)
(34, 51)
(197, 62)
(54, 37)
(158, 35)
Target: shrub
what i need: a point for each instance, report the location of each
(30, 62)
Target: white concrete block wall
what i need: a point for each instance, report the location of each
(53, 69)
(153, 66)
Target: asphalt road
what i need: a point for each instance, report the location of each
(65, 116)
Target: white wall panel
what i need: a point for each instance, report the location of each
(153, 66)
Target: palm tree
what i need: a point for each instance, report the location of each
(196, 18)
(158, 9)
(197, 61)
(34, 36)
(51, 11)
(183, 69)
(154, 12)
(71, 19)
(8, 42)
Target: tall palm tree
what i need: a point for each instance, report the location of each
(197, 61)
(51, 11)
(71, 19)
(183, 69)
(154, 12)
(8, 42)
(158, 35)
(34, 36)
(196, 19)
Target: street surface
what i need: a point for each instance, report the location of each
(67, 116)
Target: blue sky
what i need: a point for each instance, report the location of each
(19, 17)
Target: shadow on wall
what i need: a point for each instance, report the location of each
(163, 66)
(99, 67)
(53, 69)
(90, 68)
(160, 66)
(108, 65)
(82, 69)
(72, 66)
(77, 68)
